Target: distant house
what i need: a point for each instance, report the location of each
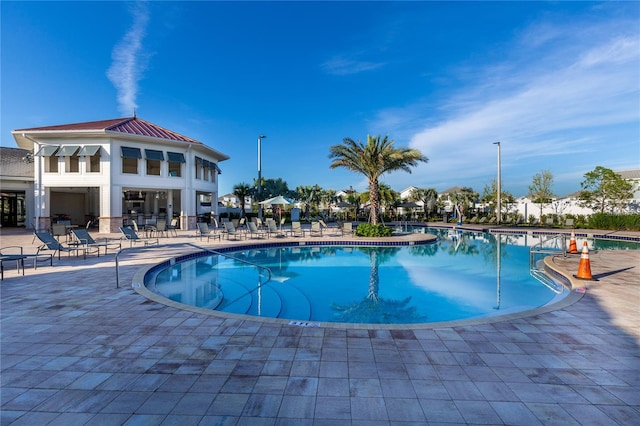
(570, 203)
(231, 200)
(119, 170)
(16, 182)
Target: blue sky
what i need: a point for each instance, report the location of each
(557, 83)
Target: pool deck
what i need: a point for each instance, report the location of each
(77, 350)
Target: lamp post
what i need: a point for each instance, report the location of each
(499, 183)
(260, 176)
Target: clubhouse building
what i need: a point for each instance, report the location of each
(111, 172)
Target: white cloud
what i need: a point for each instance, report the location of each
(345, 66)
(128, 64)
(564, 104)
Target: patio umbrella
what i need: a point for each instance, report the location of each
(410, 206)
(344, 206)
(277, 201)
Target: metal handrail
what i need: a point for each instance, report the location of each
(539, 249)
(194, 246)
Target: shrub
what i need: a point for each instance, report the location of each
(629, 222)
(369, 230)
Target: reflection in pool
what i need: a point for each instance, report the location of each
(467, 276)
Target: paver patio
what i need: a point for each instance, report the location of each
(77, 350)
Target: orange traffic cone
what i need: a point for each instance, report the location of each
(584, 268)
(573, 246)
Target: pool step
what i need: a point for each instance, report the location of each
(296, 306)
(244, 298)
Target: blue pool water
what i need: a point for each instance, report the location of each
(470, 276)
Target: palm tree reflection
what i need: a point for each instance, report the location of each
(373, 309)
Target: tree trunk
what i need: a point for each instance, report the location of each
(374, 278)
(374, 201)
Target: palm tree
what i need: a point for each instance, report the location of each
(373, 159)
(462, 199)
(387, 196)
(327, 198)
(242, 190)
(428, 196)
(304, 195)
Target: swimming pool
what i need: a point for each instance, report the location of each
(470, 276)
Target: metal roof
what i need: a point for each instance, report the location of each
(123, 126)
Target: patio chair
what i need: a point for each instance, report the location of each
(161, 228)
(130, 235)
(272, 229)
(549, 222)
(173, 227)
(230, 230)
(568, 223)
(296, 230)
(83, 237)
(49, 242)
(316, 230)
(254, 232)
(347, 228)
(59, 230)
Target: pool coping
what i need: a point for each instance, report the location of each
(574, 293)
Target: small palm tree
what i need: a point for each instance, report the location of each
(373, 159)
(428, 196)
(242, 190)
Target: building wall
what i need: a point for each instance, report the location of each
(110, 181)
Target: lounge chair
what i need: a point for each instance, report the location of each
(49, 242)
(230, 230)
(258, 222)
(549, 222)
(17, 254)
(272, 229)
(11, 254)
(83, 237)
(204, 230)
(296, 230)
(326, 227)
(254, 232)
(316, 230)
(130, 235)
(568, 223)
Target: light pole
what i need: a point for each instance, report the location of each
(499, 187)
(260, 176)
